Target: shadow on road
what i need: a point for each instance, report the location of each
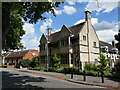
(11, 81)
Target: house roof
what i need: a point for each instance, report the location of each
(17, 54)
(102, 43)
(74, 29)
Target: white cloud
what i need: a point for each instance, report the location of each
(71, 3)
(58, 12)
(45, 24)
(29, 40)
(106, 35)
(105, 5)
(104, 25)
(29, 28)
(69, 10)
(104, 29)
(93, 20)
(79, 21)
(31, 43)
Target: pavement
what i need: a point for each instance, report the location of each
(90, 80)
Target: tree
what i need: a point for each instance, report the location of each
(13, 38)
(56, 63)
(117, 37)
(12, 14)
(35, 62)
(103, 62)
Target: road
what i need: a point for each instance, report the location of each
(11, 78)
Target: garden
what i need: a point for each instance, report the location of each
(101, 70)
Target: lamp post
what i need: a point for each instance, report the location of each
(47, 53)
(49, 32)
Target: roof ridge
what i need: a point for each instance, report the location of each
(105, 42)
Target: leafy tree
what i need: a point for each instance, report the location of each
(35, 62)
(117, 37)
(116, 71)
(12, 12)
(56, 63)
(25, 63)
(13, 38)
(103, 62)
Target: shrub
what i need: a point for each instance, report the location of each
(107, 74)
(56, 63)
(25, 63)
(34, 68)
(17, 65)
(91, 73)
(89, 66)
(116, 73)
(35, 62)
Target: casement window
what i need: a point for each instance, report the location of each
(42, 59)
(64, 42)
(84, 37)
(94, 44)
(42, 47)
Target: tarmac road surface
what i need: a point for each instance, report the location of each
(12, 78)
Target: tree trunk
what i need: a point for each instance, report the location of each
(102, 76)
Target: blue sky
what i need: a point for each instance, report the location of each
(104, 16)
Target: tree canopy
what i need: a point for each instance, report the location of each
(12, 14)
(117, 37)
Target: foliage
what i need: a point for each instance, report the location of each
(90, 66)
(103, 62)
(56, 63)
(25, 63)
(116, 73)
(13, 37)
(34, 68)
(12, 14)
(117, 37)
(35, 62)
(17, 65)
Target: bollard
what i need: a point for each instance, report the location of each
(71, 73)
(84, 74)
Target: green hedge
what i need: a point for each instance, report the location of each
(90, 66)
(25, 63)
(67, 70)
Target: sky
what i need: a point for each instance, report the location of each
(104, 17)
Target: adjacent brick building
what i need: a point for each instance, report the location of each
(12, 58)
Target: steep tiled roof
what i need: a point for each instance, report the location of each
(17, 54)
(101, 43)
(54, 37)
(74, 29)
